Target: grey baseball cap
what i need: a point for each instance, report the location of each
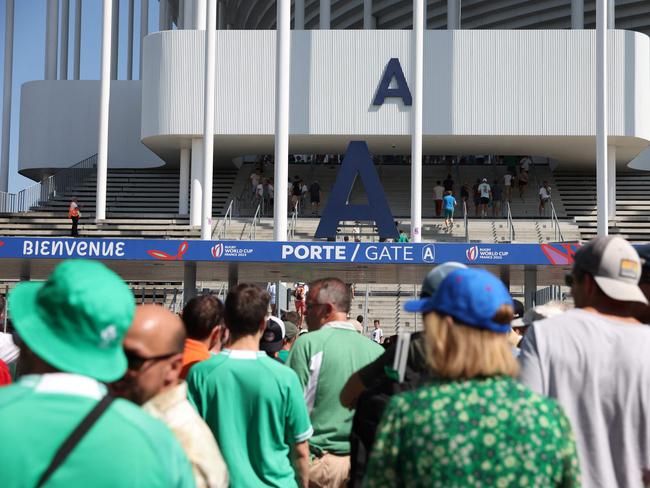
(432, 282)
(615, 266)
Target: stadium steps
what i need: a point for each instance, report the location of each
(632, 203)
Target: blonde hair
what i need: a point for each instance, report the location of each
(458, 351)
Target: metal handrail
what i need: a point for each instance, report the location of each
(556, 224)
(466, 221)
(253, 230)
(221, 229)
(511, 225)
(59, 183)
(293, 222)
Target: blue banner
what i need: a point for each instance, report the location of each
(560, 254)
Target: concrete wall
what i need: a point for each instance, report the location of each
(59, 122)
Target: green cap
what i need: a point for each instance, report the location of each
(77, 319)
(290, 329)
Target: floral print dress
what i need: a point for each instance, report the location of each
(488, 432)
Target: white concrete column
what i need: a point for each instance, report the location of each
(417, 44)
(611, 14)
(208, 120)
(602, 193)
(129, 48)
(325, 17)
(611, 180)
(104, 99)
(144, 28)
(299, 15)
(196, 189)
(76, 70)
(65, 30)
(453, 14)
(184, 182)
(367, 14)
(51, 39)
(6, 94)
(199, 14)
(115, 39)
(577, 14)
(188, 14)
(282, 71)
(221, 15)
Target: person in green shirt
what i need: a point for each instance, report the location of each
(253, 404)
(324, 359)
(474, 424)
(403, 236)
(71, 329)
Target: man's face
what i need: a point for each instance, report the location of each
(317, 313)
(153, 362)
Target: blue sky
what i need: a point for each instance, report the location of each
(29, 54)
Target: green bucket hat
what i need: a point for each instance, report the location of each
(76, 320)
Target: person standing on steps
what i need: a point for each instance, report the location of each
(74, 214)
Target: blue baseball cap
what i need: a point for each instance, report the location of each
(431, 283)
(471, 296)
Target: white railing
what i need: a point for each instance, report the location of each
(556, 224)
(293, 221)
(252, 235)
(511, 225)
(59, 183)
(466, 221)
(221, 229)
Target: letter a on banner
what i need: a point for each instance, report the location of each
(357, 160)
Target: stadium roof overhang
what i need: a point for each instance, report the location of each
(261, 261)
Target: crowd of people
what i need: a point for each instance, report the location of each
(107, 393)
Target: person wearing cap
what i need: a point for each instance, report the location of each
(203, 320)
(272, 339)
(324, 359)
(369, 389)
(154, 352)
(474, 424)
(71, 343)
(642, 312)
(290, 335)
(253, 404)
(484, 192)
(595, 361)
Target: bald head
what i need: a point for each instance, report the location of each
(154, 349)
(157, 330)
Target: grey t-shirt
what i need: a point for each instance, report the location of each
(599, 371)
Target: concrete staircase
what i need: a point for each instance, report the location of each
(632, 203)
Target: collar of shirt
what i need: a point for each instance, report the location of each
(197, 347)
(64, 383)
(336, 324)
(242, 354)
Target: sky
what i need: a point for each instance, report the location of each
(29, 54)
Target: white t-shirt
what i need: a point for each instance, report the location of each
(545, 194)
(438, 192)
(377, 334)
(598, 369)
(507, 179)
(484, 188)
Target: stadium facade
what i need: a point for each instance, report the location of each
(508, 77)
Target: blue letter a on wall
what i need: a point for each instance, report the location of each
(393, 70)
(357, 160)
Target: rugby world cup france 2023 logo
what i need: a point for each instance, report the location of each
(217, 250)
(472, 253)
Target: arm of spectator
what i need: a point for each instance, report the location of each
(300, 456)
(529, 360)
(352, 391)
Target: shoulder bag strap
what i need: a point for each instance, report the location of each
(73, 439)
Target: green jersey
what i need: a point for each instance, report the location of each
(125, 447)
(253, 404)
(324, 360)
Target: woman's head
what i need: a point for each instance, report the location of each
(466, 323)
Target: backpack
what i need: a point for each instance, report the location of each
(373, 401)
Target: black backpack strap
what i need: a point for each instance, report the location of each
(73, 439)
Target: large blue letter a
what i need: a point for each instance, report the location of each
(357, 160)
